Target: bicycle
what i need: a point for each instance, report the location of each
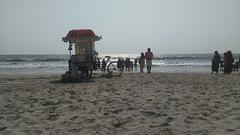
(115, 67)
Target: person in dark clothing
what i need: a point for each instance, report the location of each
(104, 64)
(69, 65)
(215, 62)
(228, 62)
(222, 66)
(131, 66)
(94, 62)
(98, 64)
(142, 62)
(239, 62)
(120, 63)
(235, 66)
(127, 64)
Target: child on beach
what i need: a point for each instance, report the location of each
(142, 62)
(135, 62)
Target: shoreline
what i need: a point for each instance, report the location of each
(55, 73)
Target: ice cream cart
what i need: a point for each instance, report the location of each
(81, 63)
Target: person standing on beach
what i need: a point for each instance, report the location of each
(239, 62)
(216, 60)
(98, 63)
(149, 57)
(135, 62)
(142, 62)
(228, 62)
(221, 66)
(104, 65)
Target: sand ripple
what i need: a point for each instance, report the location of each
(134, 104)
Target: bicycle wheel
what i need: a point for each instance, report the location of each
(114, 70)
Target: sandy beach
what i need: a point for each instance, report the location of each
(133, 104)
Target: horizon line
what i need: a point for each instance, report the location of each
(107, 53)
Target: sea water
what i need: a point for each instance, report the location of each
(59, 63)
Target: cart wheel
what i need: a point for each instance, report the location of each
(114, 70)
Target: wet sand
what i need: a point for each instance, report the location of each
(133, 104)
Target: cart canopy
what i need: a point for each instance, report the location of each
(81, 34)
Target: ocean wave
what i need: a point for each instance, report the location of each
(181, 58)
(182, 64)
(49, 59)
(163, 57)
(14, 60)
(33, 60)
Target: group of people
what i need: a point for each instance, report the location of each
(127, 64)
(148, 58)
(227, 65)
(101, 65)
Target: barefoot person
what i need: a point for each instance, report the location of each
(142, 62)
(149, 57)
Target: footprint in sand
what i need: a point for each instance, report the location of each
(153, 131)
(131, 108)
(117, 123)
(75, 130)
(53, 116)
(29, 121)
(13, 117)
(73, 107)
(169, 119)
(31, 132)
(116, 111)
(49, 103)
(74, 118)
(89, 120)
(151, 114)
(167, 122)
(2, 128)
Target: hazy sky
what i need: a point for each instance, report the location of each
(127, 26)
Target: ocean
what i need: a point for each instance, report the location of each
(23, 64)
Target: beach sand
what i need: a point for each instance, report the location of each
(133, 104)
